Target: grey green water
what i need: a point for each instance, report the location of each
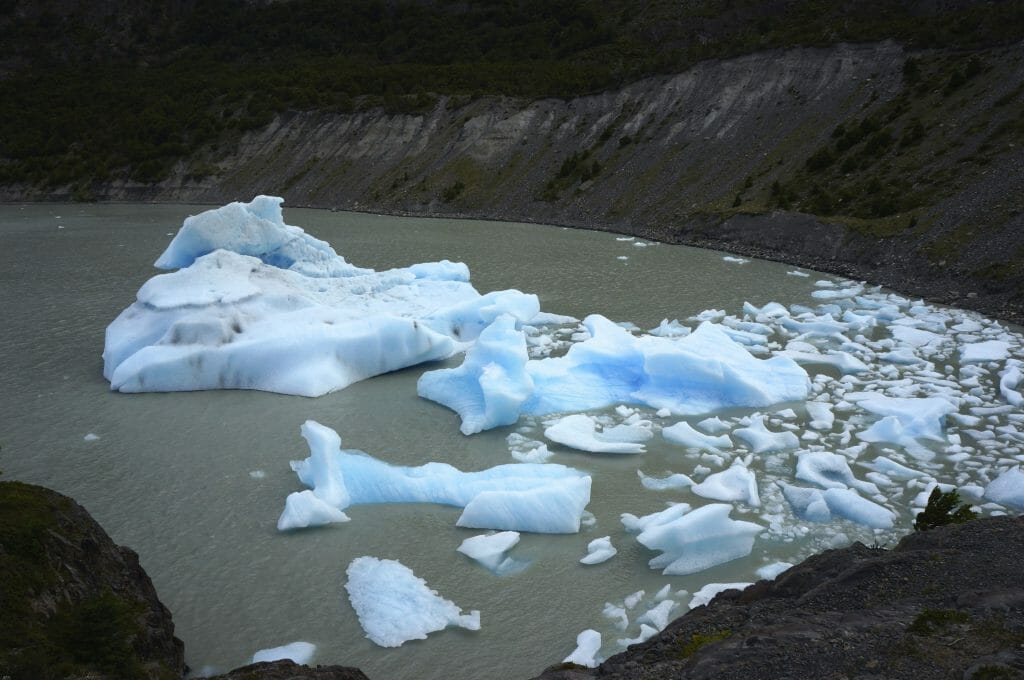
(170, 476)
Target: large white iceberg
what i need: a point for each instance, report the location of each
(702, 372)
(394, 605)
(259, 304)
(534, 497)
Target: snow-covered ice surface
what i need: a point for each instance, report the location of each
(395, 606)
(255, 303)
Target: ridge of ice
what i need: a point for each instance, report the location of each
(534, 497)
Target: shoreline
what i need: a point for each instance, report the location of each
(900, 274)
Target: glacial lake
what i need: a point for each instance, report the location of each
(194, 482)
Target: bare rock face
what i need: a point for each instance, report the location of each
(946, 603)
(72, 602)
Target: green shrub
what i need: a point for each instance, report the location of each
(942, 510)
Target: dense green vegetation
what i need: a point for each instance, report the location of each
(94, 91)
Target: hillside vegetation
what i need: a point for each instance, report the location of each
(873, 139)
(91, 91)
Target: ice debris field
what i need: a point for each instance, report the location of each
(823, 422)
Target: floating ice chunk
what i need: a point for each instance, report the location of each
(664, 593)
(770, 572)
(762, 440)
(837, 293)
(261, 305)
(916, 337)
(695, 541)
(891, 468)
(537, 454)
(797, 272)
(904, 355)
(394, 605)
(579, 431)
(681, 433)
(1009, 382)
(735, 260)
(599, 550)
(91, 437)
(829, 471)
(701, 372)
(980, 352)
(588, 643)
(616, 614)
(299, 652)
(737, 483)
(257, 474)
(672, 482)
(708, 592)
(491, 550)
(303, 509)
(670, 329)
(490, 386)
(848, 504)
(821, 415)
(1007, 489)
(808, 504)
(714, 425)
(920, 418)
(657, 616)
(843, 362)
(549, 319)
(633, 599)
(543, 498)
(646, 633)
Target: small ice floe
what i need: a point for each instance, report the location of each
(735, 260)
(91, 437)
(599, 550)
(395, 606)
(588, 643)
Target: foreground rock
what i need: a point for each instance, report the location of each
(72, 602)
(288, 670)
(947, 603)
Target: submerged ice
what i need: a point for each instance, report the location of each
(255, 303)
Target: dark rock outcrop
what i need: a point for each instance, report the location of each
(72, 602)
(288, 670)
(946, 603)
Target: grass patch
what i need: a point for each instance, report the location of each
(931, 621)
(700, 640)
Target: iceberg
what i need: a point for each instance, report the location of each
(395, 606)
(534, 497)
(699, 373)
(693, 541)
(259, 304)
